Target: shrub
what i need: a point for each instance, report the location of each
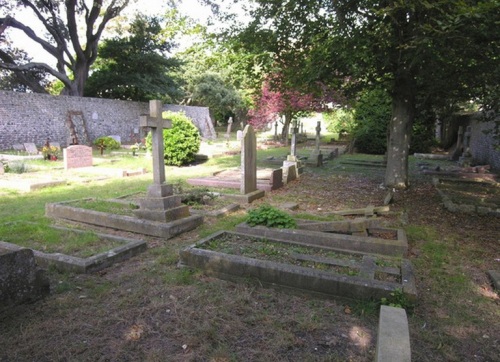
(373, 112)
(16, 167)
(108, 143)
(181, 142)
(269, 216)
(340, 120)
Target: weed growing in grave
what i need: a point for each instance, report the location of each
(269, 216)
(17, 167)
(397, 299)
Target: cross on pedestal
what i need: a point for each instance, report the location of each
(157, 123)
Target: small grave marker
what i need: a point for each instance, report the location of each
(31, 148)
(77, 156)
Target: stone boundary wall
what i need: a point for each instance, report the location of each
(33, 117)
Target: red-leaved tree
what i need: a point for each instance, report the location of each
(278, 102)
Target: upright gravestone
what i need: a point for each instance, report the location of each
(276, 131)
(160, 204)
(248, 186)
(466, 159)
(77, 156)
(293, 148)
(229, 125)
(316, 156)
(31, 148)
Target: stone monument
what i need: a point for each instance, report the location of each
(316, 157)
(466, 159)
(160, 204)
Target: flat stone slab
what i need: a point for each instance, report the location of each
(393, 339)
(94, 263)
(216, 213)
(167, 230)
(340, 242)
(26, 185)
(365, 285)
(364, 163)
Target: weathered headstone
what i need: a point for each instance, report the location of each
(248, 182)
(77, 156)
(20, 278)
(466, 159)
(31, 148)
(316, 157)
(18, 147)
(239, 135)
(229, 125)
(248, 161)
(293, 148)
(459, 147)
(160, 204)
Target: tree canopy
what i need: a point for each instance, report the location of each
(73, 50)
(136, 67)
(425, 54)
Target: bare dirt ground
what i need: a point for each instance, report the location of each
(148, 309)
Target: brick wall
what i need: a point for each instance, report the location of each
(32, 117)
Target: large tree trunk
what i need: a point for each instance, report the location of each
(400, 129)
(286, 127)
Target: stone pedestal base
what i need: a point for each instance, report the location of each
(161, 205)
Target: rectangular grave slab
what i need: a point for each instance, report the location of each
(77, 156)
(341, 242)
(367, 284)
(31, 148)
(167, 230)
(94, 263)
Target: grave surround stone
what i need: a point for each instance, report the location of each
(77, 156)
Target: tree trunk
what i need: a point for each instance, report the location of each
(286, 127)
(400, 129)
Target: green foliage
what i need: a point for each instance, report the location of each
(397, 299)
(269, 216)
(108, 143)
(136, 67)
(16, 167)
(340, 120)
(181, 142)
(373, 112)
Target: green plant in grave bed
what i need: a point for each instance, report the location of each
(269, 216)
(397, 299)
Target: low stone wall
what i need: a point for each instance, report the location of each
(33, 117)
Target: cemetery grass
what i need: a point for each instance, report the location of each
(149, 309)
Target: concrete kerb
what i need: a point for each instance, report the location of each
(167, 230)
(96, 262)
(393, 340)
(275, 274)
(339, 242)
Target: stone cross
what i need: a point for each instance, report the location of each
(295, 129)
(229, 125)
(301, 127)
(248, 161)
(156, 122)
(318, 137)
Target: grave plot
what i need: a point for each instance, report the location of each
(300, 266)
(267, 179)
(469, 196)
(335, 236)
(70, 249)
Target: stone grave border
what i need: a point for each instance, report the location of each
(338, 242)
(64, 210)
(215, 213)
(296, 278)
(466, 208)
(62, 262)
